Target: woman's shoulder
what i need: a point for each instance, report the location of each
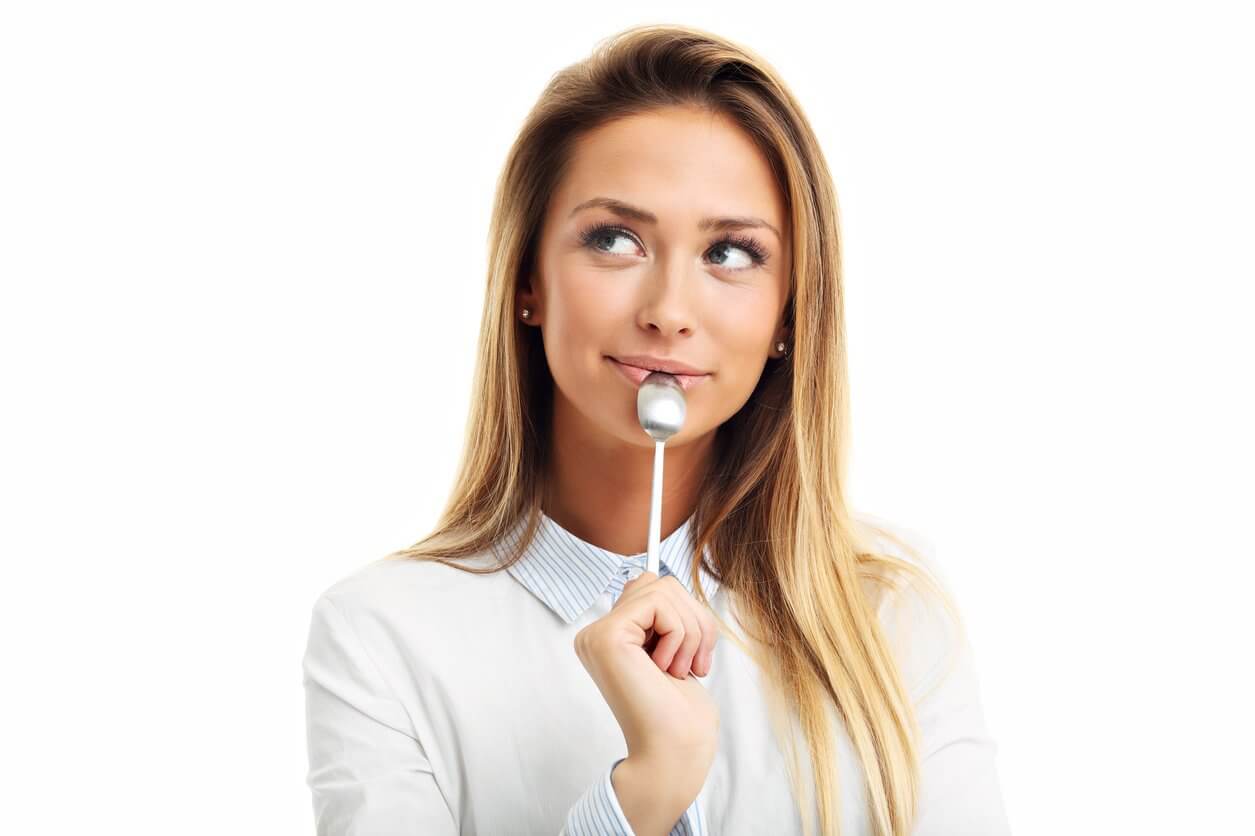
(397, 584)
(396, 622)
(894, 538)
(883, 538)
(917, 612)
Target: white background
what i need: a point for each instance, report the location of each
(243, 257)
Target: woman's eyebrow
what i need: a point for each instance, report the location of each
(626, 210)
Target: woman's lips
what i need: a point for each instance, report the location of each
(637, 375)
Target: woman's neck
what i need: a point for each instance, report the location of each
(598, 487)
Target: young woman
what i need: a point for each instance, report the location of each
(666, 205)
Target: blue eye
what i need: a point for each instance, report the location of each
(604, 232)
(593, 235)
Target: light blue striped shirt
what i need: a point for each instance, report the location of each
(569, 575)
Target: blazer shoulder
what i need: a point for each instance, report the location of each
(924, 628)
(389, 582)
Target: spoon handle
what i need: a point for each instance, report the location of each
(655, 509)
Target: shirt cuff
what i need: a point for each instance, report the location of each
(597, 812)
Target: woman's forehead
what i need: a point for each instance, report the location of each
(674, 165)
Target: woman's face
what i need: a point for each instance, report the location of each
(648, 279)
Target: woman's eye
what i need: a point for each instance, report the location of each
(603, 239)
(609, 235)
(747, 258)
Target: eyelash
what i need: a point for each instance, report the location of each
(755, 250)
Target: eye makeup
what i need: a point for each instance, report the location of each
(590, 235)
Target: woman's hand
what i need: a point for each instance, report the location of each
(645, 656)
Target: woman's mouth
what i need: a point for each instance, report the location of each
(637, 375)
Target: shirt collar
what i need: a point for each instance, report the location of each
(569, 574)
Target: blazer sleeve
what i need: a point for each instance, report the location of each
(959, 786)
(367, 771)
(598, 813)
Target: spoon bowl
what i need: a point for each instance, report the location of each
(660, 406)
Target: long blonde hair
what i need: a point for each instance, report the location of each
(804, 574)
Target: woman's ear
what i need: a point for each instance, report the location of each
(784, 335)
(527, 303)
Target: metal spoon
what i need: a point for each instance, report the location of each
(660, 408)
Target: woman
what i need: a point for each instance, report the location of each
(517, 671)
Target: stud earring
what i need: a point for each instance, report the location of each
(526, 313)
(780, 347)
